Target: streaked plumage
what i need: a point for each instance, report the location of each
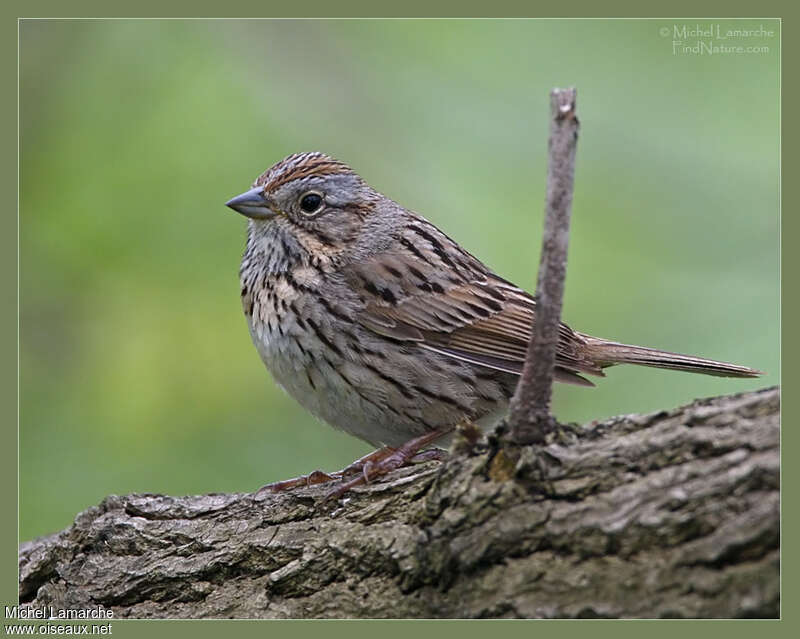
(383, 326)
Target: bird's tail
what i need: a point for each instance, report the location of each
(607, 353)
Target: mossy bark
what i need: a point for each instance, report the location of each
(672, 514)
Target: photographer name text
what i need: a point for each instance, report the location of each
(51, 612)
(715, 39)
(716, 31)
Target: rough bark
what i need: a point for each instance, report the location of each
(672, 514)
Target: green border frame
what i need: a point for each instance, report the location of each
(411, 8)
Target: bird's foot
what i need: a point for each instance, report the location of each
(391, 459)
(367, 468)
(321, 477)
(316, 477)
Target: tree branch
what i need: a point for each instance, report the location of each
(674, 513)
(529, 411)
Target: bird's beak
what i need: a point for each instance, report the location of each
(253, 204)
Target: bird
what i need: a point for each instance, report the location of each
(384, 327)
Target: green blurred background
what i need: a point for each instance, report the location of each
(137, 371)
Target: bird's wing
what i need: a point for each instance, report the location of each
(428, 290)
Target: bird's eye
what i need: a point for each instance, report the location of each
(310, 202)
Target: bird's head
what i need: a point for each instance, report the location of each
(320, 201)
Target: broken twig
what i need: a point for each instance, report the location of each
(530, 416)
